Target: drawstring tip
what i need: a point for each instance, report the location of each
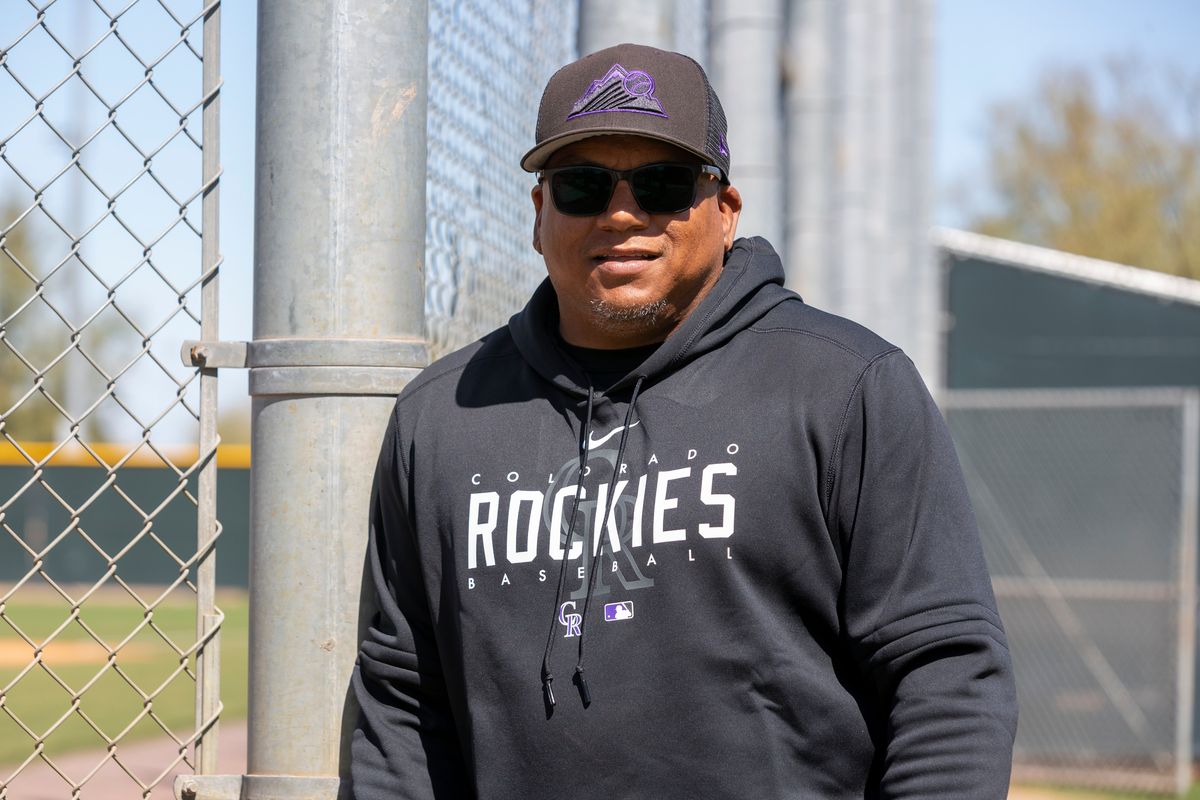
(584, 694)
(548, 695)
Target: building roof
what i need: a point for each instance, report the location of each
(1068, 265)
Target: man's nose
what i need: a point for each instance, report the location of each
(623, 212)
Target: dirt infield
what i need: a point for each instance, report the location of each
(1041, 793)
(39, 781)
(17, 653)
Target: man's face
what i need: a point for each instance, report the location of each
(625, 277)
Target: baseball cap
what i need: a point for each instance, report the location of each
(632, 89)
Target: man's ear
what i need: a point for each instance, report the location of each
(729, 204)
(536, 196)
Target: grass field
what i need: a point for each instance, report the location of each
(106, 697)
(1058, 793)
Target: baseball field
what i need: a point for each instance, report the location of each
(80, 695)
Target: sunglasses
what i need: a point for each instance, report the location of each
(585, 191)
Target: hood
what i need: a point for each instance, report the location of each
(751, 284)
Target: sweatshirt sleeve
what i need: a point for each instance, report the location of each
(917, 602)
(405, 744)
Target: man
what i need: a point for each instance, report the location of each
(748, 510)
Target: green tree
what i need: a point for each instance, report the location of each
(27, 329)
(32, 419)
(1103, 163)
(233, 424)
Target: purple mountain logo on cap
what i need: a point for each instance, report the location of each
(619, 90)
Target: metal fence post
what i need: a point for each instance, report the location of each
(604, 23)
(338, 330)
(1186, 652)
(208, 619)
(746, 51)
(857, 105)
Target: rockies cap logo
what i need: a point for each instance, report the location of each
(619, 90)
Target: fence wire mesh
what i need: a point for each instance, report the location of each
(488, 62)
(1086, 505)
(106, 197)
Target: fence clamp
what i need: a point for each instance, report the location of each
(256, 787)
(316, 367)
(390, 352)
(212, 355)
(208, 787)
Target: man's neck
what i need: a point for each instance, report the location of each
(606, 366)
(602, 333)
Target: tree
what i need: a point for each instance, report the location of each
(25, 331)
(30, 420)
(233, 424)
(1103, 164)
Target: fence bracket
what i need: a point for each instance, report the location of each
(208, 787)
(315, 367)
(295, 352)
(256, 787)
(212, 355)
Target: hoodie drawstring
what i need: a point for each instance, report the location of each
(547, 676)
(584, 694)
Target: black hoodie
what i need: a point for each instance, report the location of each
(790, 600)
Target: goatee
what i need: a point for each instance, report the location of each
(645, 315)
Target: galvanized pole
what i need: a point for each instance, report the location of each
(858, 275)
(1189, 521)
(667, 24)
(812, 106)
(746, 50)
(604, 23)
(927, 318)
(858, 111)
(338, 330)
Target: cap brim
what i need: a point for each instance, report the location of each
(536, 158)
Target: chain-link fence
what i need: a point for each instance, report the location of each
(1086, 501)
(488, 62)
(107, 255)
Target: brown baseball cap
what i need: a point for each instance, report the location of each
(632, 89)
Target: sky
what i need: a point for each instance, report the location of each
(132, 204)
(986, 51)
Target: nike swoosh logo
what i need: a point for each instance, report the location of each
(594, 442)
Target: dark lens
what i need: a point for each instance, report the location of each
(581, 191)
(664, 188)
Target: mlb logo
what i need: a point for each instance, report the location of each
(615, 611)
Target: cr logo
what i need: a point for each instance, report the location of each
(572, 621)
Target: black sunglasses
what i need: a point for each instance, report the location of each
(667, 188)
